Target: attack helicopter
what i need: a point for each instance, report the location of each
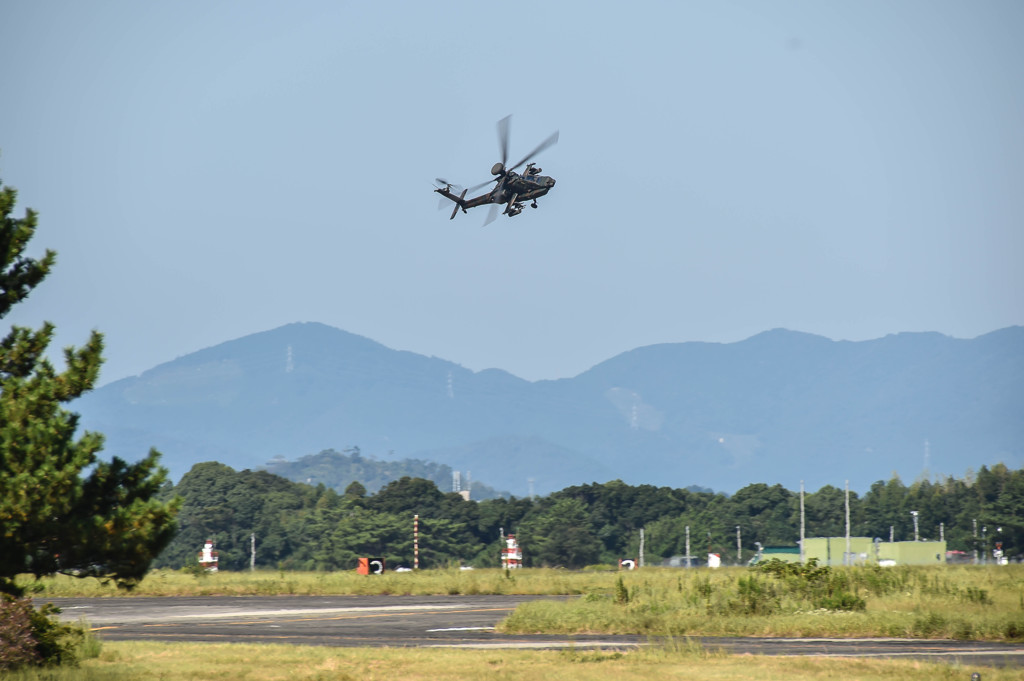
(511, 189)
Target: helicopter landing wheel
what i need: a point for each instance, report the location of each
(533, 205)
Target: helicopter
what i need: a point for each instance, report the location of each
(511, 189)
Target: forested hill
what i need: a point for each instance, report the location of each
(778, 407)
(337, 470)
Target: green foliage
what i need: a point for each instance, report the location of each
(808, 572)
(621, 592)
(560, 535)
(756, 597)
(304, 527)
(820, 586)
(106, 524)
(299, 527)
(355, 489)
(18, 274)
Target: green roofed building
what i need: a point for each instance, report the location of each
(863, 551)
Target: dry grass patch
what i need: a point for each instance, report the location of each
(148, 661)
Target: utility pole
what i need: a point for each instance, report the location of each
(847, 558)
(803, 553)
(640, 558)
(687, 546)
(984, 545)
(416, 542)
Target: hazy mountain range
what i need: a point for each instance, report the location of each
(781, 406)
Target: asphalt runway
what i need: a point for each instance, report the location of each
(438, 621)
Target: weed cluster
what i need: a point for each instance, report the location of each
(819, 586)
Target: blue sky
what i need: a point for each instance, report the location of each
(207, 170)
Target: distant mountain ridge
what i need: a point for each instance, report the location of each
(780, 406)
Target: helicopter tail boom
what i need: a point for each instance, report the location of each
(460, 201)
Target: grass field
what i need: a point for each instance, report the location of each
(280, 583)
(148, 661)
(966, 603)
(936, 602)
(958, 602)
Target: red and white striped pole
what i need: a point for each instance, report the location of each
(416, 542)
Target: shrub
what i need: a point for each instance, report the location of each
(820, 585)
(928, 625)
(1014, 630)
(621, 592)
(17, 646)
(755, 597)
(973, 594)
(31, 637)
(842, 600)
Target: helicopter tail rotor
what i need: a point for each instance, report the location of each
(444, 188)
(459, 204)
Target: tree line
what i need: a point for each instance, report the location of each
(306, 527)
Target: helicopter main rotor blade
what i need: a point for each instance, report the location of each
(540, 147)
(492, 214)
(483, 184)
(503, 126)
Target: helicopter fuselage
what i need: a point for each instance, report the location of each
(513, 188)
(522, 187)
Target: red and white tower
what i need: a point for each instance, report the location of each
(511, 555)
(208, 557)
